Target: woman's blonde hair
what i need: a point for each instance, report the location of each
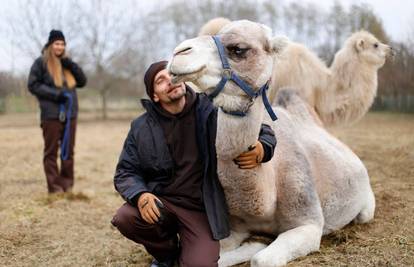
(55, 69)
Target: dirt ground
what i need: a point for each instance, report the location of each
(74, 229)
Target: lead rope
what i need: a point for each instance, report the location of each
(65, 116)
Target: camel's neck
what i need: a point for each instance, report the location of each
(352, 88)
(235, 134)
(351, 75)
(251, 192)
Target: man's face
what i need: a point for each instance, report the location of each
(164, 91)
(58, 47)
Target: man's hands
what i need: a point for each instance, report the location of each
(148, 208)
(251, 158)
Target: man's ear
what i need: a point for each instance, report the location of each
(279, 43)
(155, 98)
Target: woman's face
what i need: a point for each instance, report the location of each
(58, 48)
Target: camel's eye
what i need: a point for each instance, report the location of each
(376, 45)
(238, 51)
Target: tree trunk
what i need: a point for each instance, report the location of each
(104, 105)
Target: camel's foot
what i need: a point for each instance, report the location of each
(288, 246)
(241, 254)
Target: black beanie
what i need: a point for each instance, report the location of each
(55, 35)
(150, 75)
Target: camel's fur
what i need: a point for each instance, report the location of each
(341, 94)
(313, 185)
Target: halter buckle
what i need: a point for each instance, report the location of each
(227, 73)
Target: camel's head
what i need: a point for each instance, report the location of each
(250, 50)
(368, 48)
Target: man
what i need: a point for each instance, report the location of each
(167, 174)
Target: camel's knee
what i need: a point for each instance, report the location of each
(367, 212)
(233, 241)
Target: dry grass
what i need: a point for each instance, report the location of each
(74, 229)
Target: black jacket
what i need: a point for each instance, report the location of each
(40, 84)
(145, 163)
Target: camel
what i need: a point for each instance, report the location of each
(340, 94)
(313, 185)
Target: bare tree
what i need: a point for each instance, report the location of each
(99, 34)
(106, 31)
(7, 83)
(33, 21)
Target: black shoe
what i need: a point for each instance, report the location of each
(166, 263)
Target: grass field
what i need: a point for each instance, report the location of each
(74, 229)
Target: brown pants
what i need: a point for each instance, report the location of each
(53, 134)
(196, 246)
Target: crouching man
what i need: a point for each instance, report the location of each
(167, 173)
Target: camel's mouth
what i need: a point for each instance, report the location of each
(390, 54)
(186, 76)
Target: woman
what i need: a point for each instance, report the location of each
(53, 80)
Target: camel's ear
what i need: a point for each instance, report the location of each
(278, 43)
(359, 45)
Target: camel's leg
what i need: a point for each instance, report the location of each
(241, 254)
(233, 241)
(367, 212)
(289, 245)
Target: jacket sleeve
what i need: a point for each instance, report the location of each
(268, 139)
(78, 74)
(36, 85)
(128, 179)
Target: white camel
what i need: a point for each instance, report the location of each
(340, 94)
(313, 185)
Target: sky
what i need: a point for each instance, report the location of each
(397, 17)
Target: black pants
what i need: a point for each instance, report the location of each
(58, 181)
(197, 247)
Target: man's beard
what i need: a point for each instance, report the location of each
(177, 98)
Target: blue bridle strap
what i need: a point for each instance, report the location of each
(228, 74)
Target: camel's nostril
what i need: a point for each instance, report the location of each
(391, 52)
(183, 51)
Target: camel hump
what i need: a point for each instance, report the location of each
(287, 96)
(213, 26)
(289, 99)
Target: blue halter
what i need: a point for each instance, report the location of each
(228, 74)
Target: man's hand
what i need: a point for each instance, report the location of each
(148, 209)
(251, 158)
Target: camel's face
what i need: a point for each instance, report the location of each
(249, 50)
(370, 49)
